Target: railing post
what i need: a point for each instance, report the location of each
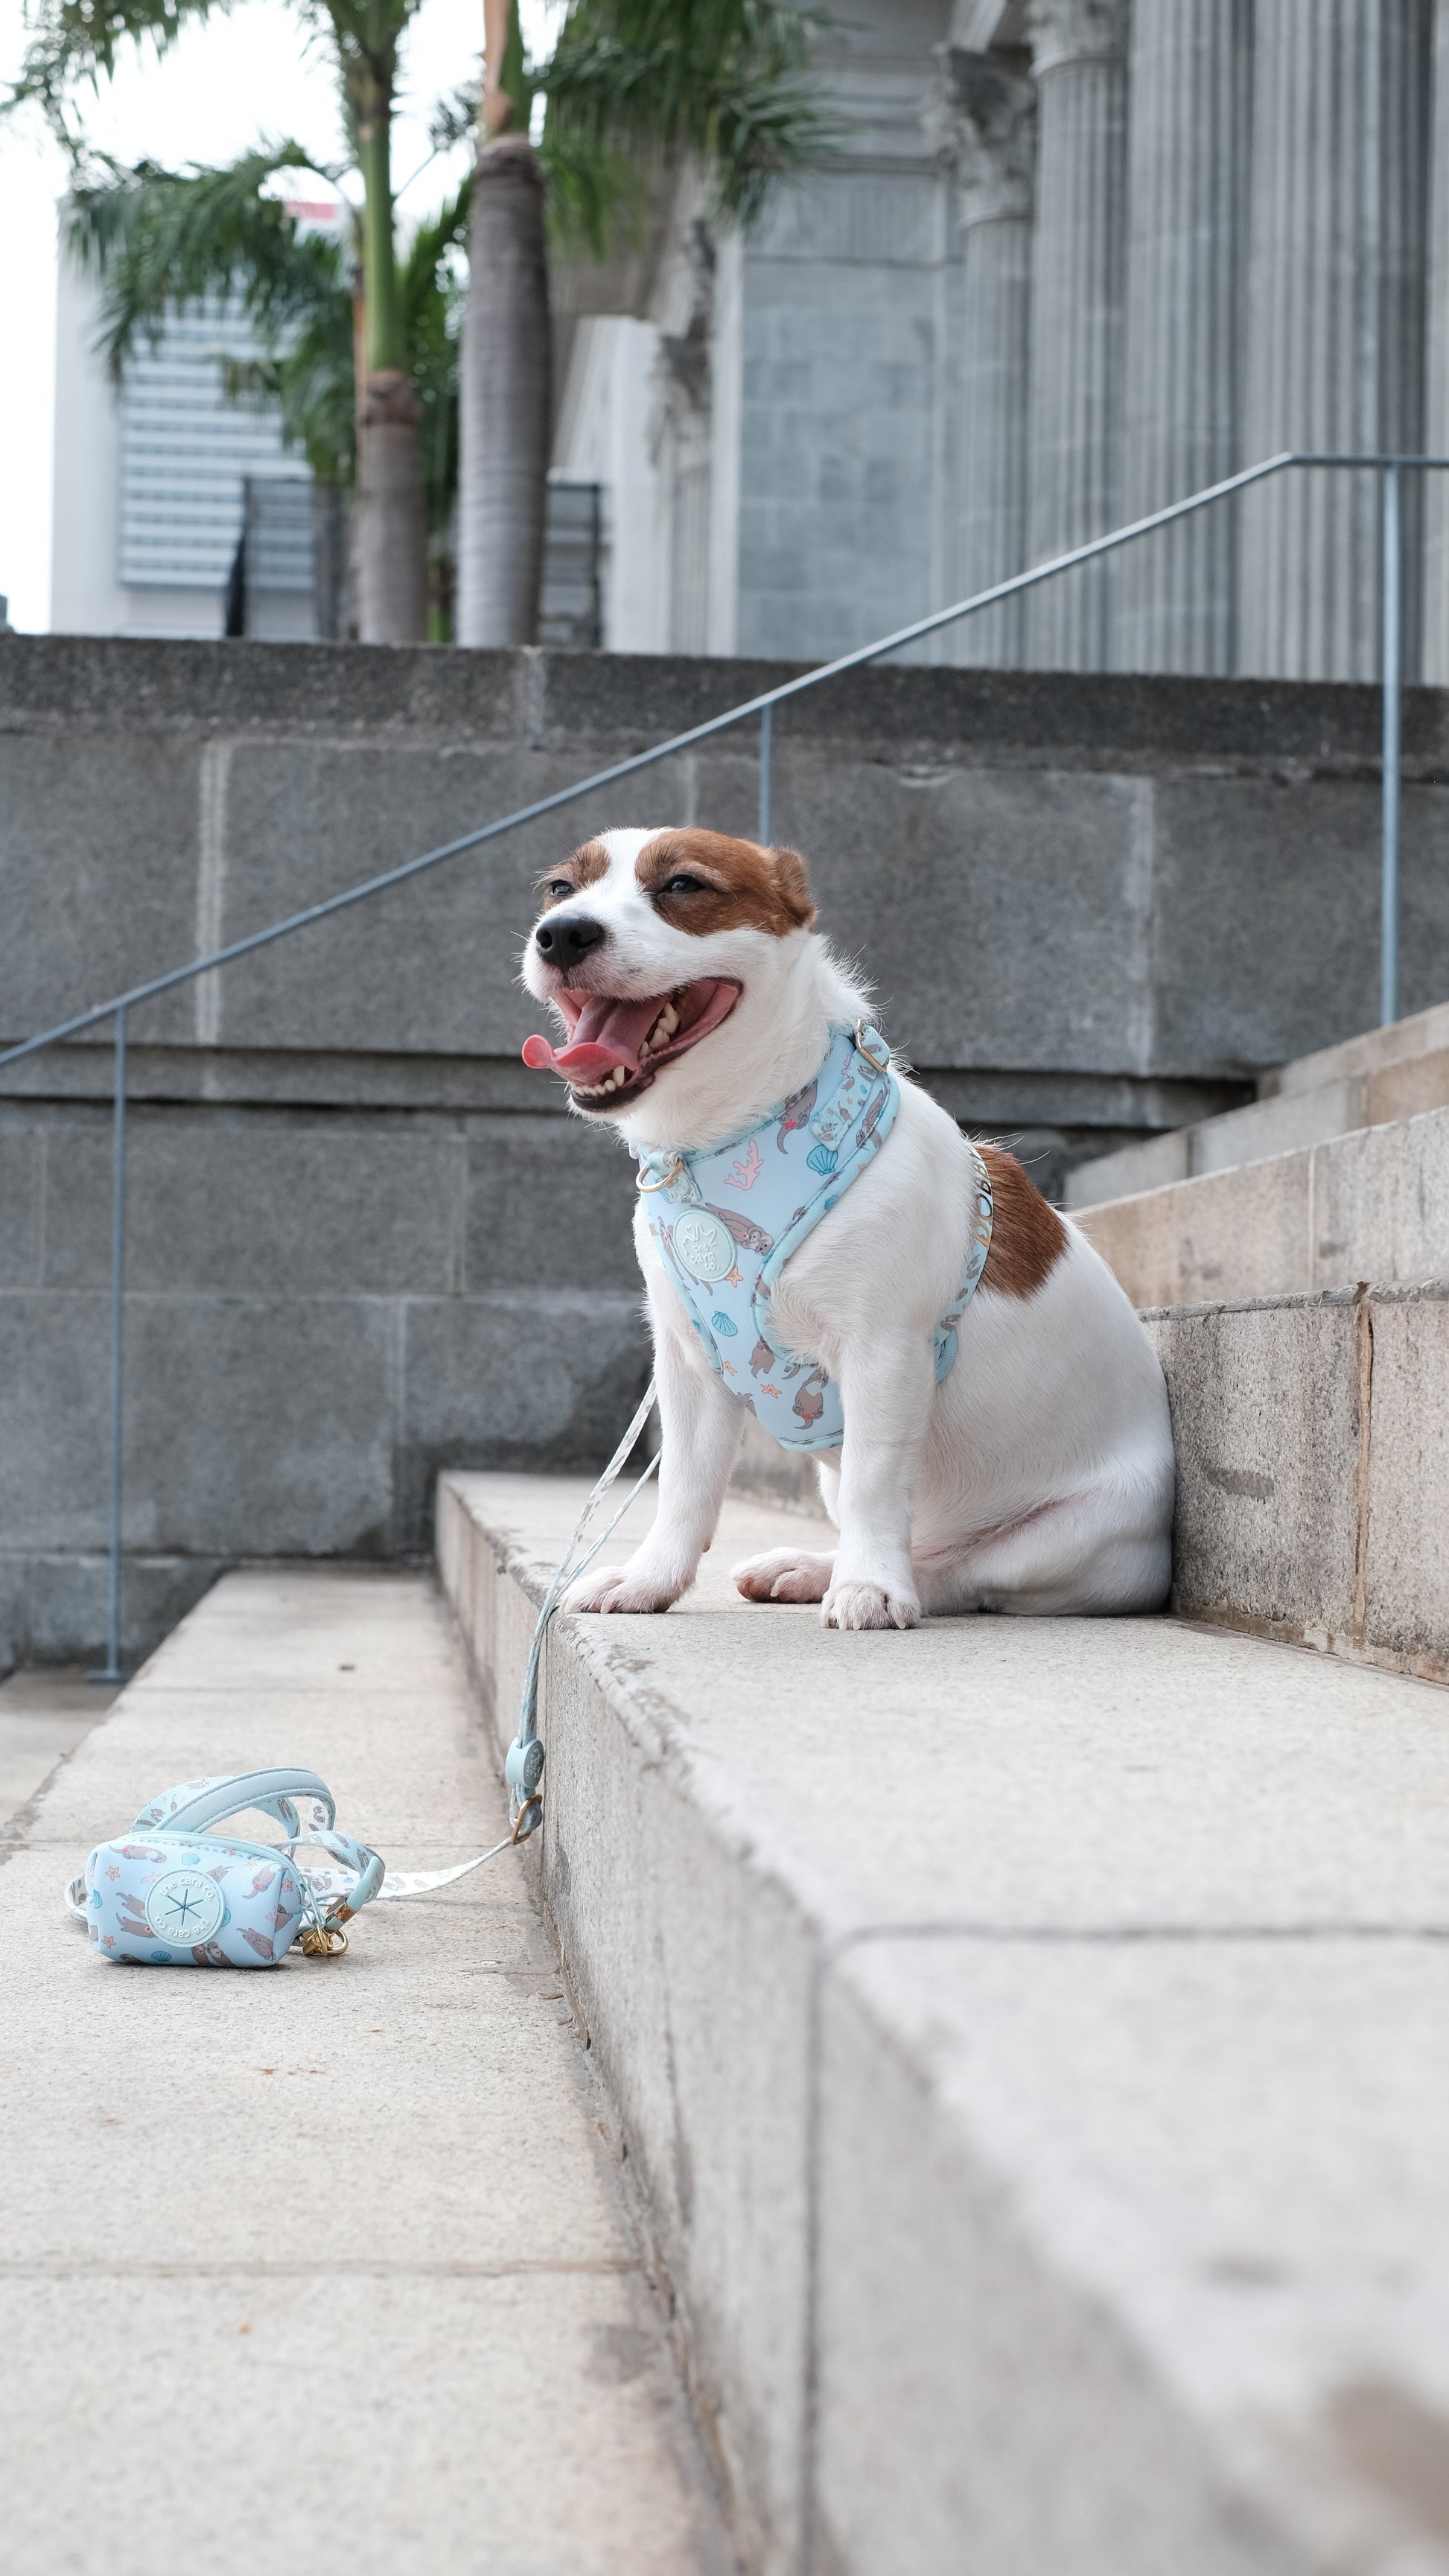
(766, 731)
(111, 1671)
(1393, 687)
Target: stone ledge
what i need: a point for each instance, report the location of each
(1369, 1204)
(1024, 2038)
(1311, 1473)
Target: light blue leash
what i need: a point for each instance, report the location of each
(523, 1769)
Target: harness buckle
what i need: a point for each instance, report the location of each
(865, 1030)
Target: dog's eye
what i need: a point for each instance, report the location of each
(558, 887)
(684, 885)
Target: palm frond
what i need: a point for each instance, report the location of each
(168, 240)
(726, 81)
(76, 43)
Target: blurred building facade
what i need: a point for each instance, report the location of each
(1077, 259)
(151, 482)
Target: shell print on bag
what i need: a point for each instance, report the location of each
(724, 1264)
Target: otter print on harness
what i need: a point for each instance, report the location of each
(726, 1222)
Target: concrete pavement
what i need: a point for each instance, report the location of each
(329, 2262)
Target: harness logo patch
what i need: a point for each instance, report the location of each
(704, 1245)
(184, 1908)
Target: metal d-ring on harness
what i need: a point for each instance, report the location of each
(523, 1769)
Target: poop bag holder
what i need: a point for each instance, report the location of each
(174, 1893)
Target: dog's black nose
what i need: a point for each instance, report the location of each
(564, 937)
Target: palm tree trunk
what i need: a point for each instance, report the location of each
(392, 571)
(504, 390)
(392, 534)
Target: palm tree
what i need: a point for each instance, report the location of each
(75, 42)
(633, 87)
(163, 240)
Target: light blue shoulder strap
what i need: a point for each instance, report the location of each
(194, 1805)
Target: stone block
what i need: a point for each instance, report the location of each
(1266, 1422)
(54, 1609)
(1405, 1090)
(256, 1200)
(532, 1378)
(1381, 1204)
(433, 966)
(550, 1205)
(1300, 926)
(1272, 1127)
(1154, 1164)
(1369, 1053)
(987, 963)
(125, 685)
(1136, 2333)
(99, 833)
(1239, 1234)
(262, 1426)
(54, 1411)
(1407, 1577)
(21, 1200)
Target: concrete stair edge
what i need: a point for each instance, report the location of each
(1382, 1076)
(1372, 1204)
(912, 2347)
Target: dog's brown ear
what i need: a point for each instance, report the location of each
(793, 884)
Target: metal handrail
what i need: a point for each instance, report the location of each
(1392, 466)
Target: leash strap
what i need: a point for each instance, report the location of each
(303, 1805)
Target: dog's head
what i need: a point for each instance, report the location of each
(666, 955)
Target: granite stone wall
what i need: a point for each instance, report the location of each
(363, 1242)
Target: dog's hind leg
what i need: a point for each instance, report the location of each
(1104, 1552)
(785, 1574)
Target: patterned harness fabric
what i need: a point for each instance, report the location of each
(727, 1220)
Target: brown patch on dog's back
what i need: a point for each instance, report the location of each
(741, 883)
(590, 861)
(1028, 1238)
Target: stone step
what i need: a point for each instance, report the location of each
(1312, 1469)
(1369, 1205)
(337, 2288)
(1387, 1074)
(1027, 2037)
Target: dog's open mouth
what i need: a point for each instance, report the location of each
(616, 1044)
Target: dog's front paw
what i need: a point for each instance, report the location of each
(621, 1587)
(869, 1605)
(785, 1574)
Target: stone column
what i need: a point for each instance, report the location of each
(1079, 59)
(1436, 394)
(1188, 73)
(1335, 320)
(986, 121)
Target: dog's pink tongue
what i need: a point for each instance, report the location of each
(607, 1033)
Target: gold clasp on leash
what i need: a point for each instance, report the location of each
(534, 1806)
(327, 1940)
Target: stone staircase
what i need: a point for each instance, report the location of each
(1027, 2038)
(1000, 2067)
(1294, 1275)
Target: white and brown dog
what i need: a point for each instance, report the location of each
(1037, 1477)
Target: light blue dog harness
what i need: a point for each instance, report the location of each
(727, 1220)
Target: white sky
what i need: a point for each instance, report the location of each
(221, 87)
